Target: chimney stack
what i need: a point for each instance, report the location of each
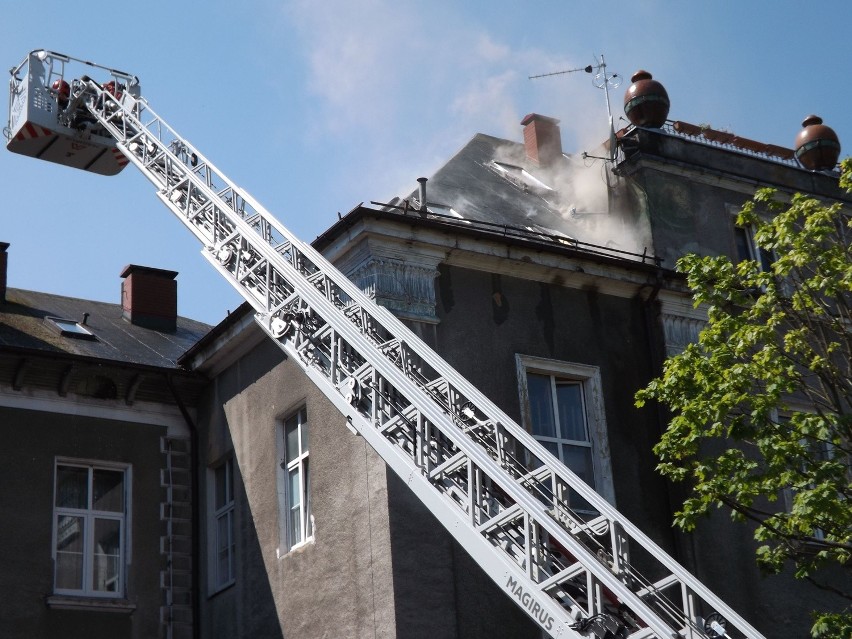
(149, 297)
(4, 263)
(542, 139)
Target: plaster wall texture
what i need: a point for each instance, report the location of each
(26, 511)
(338, 584)
(481, 338)
(380, 564)
(692, 192)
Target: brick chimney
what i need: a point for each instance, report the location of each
(542, 139)
(149, 297)
(4, 263)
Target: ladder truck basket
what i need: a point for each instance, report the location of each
(48, 119)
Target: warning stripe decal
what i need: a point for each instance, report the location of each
(31, 131)
(120, 158)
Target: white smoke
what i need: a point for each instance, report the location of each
(587, 200)
(590, 204)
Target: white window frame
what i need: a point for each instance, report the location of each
(89, 515)
(589, 378)
(288, 540)
(227, 512)
(764, 259)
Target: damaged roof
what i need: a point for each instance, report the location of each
(493, 186)
(491, 180)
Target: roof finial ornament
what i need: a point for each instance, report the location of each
(646, 102)
(817, 145)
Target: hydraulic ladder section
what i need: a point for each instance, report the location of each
(507, 501)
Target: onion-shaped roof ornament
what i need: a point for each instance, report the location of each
(817, 146)
(646, 102)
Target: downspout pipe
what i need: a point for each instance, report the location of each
(195, 508)
(684, 545)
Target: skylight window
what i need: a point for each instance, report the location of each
(69, 328)
(520, 176)
(458, 215)
(531, 179)
(443, 209)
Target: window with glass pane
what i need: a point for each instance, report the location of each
(747, 249)
(298, 504)
(89, 522)
(223, 507)
(558, 421)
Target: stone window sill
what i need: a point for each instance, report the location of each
(93, 604)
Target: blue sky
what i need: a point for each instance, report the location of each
(314, 107)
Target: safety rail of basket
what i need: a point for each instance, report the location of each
(512, 491)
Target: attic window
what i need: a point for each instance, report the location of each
(69, 328)
(520, 176)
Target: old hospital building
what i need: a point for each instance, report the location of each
(166, 478)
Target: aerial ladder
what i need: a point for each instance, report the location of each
(560, 551)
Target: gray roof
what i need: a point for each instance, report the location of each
(491, 181)
(487, 181)
(24, 326)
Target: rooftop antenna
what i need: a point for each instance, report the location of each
(603, 79)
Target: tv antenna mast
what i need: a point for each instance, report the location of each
(603, 79)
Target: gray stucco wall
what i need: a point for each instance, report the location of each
(585, 326)
(380, 564)
(481, 338)
(439, 591)
(691, 192)
(689, 217)
(26, 511)
(339, 584)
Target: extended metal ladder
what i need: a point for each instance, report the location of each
(497, 491)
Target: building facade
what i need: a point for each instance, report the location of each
(551, 287)
(174, 482)
(96, 487)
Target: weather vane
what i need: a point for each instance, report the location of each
(602, 80)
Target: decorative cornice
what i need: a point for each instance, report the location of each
(680, 331)
(408, 290)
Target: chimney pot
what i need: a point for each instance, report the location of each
(149, 297)
(542, 139)
(422, 194)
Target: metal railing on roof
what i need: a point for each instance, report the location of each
(730, 141)
(515, 232)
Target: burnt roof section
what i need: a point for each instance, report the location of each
(492, 180)
(25, 326)
(491, 188)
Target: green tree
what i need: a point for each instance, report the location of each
(762, 403)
